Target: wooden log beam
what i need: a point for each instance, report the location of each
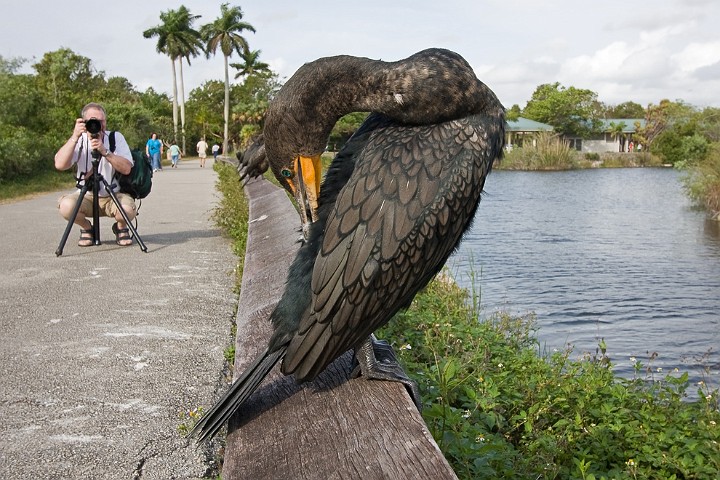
(334, 427)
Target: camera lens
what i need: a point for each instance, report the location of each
(93, 126)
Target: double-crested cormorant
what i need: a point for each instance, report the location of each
(393, 206)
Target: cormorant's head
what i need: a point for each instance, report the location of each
(294, 142)
(301, 177)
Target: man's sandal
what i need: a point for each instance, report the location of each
(122, 235)
(87, 238)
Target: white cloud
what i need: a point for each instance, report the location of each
(697, 55)
(621, 50)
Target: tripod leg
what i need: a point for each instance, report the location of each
(96, 206)
(76, 209)
(124, 215)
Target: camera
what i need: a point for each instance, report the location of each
(93, 126)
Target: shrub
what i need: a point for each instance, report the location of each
(23, 153)
(499, 409)
(231, 214)
(702, 182)
(547, 152)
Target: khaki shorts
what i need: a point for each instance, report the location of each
(107, 206)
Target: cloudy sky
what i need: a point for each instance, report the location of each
(624, 50)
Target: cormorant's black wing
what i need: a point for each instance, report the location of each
(413, 192)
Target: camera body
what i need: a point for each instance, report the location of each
(93, 126)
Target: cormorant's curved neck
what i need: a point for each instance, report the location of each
(431, 86)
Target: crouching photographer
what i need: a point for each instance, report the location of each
(89, 141)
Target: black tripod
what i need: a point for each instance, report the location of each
(95, 181)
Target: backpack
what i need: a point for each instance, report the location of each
(138, 182)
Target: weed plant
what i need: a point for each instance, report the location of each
(546, 152)
(499, 409)
(231, 214)
(629, 160)
(38, 182)
(702, 182)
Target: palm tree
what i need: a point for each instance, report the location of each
(251, 64)
(225, 32)
(617, 132)
(178, 40)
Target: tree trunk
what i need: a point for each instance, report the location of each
(227, 108)
(182, 107)
(175, 102)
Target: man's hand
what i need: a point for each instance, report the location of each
(79, 129)
(97, 144)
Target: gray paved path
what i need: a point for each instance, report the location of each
(91, 385)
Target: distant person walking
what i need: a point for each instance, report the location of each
(174, 154)
(215, 151)
(154, 151)
(202, 148)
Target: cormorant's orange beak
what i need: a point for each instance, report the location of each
(305, 186)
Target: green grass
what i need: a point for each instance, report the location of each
(45, 181)
(500, 409)
(231, 215)
(548, 153)
(702, 182)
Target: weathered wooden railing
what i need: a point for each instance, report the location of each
(331, 428)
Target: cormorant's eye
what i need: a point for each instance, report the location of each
(286, 173)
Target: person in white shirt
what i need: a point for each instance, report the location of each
(78, 151)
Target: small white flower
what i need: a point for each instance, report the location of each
(633, 359)
(500, 365)
(466, 414)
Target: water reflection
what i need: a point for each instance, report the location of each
(616, 254)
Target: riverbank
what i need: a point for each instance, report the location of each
(500, 410)
(559, 157)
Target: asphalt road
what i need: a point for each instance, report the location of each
(104, 349)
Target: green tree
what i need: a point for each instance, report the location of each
(344, 128)
(176, 39)
(513, 113)
(666, 123)
(251, 64)
(160, 107)
(253, 97)
(702, 182)
(617, 132)
(625, 110)
(10, 65)
(24, 144)
(708, 121)
(66, 81)
(572, 111)
(206, 102)
(225, 33)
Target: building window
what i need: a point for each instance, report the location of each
(576, 144)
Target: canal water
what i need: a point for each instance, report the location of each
(618, 254)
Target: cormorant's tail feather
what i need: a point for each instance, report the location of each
(236, 395)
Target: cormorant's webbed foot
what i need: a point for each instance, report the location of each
(377, 361)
